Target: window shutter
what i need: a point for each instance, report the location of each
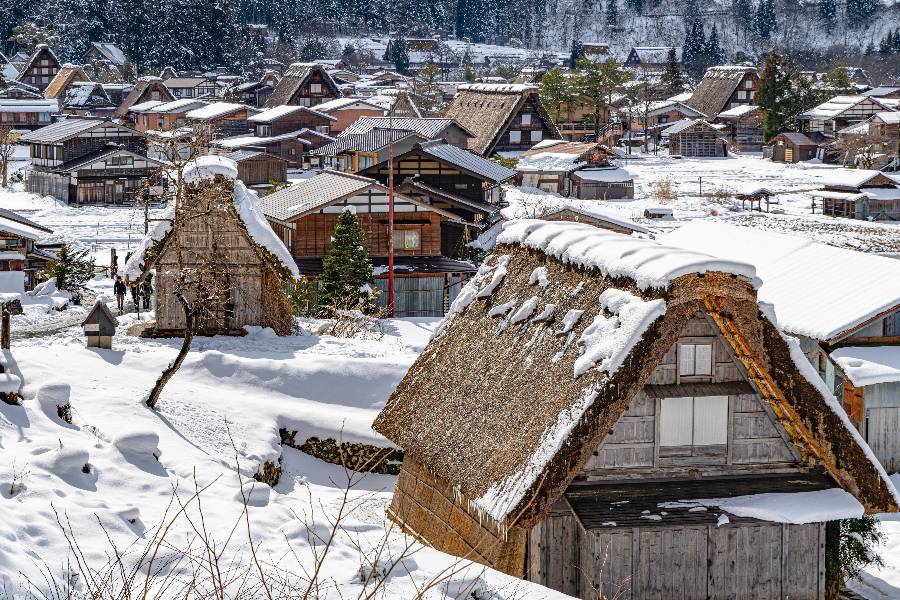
(703, 359)
(675, 421)
(686, 359)
(710, 420)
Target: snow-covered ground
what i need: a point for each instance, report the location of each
(223, 410)
(112, 472)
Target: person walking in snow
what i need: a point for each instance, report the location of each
(119, 290)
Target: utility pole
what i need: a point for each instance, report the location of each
(390, 233)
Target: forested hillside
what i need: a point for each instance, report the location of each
(200, 34)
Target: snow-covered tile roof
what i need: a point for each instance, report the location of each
(345, 103)
(604, 174)
(24, 106)
(272, 114)
(738, 111)
(799, 276)
(145, 106)
(649, 263)
(869, 365)
(848, 178)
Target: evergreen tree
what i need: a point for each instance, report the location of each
(576, 54)
(596, 82)
(72, 270)
(612, 12)
(426, 90)
(636, 6)
(691, 13)
(766, 21)
(801, 98)
(744, 14)
(312, 50)
(400, 55)
(693, 53)
(673, 79)
(714, 53)
(774, 89)
(828, 14)
(347, 280)
(557, 91)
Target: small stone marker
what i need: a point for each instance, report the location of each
(100, 326)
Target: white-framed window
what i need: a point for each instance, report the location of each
(365, 162)
(695, 359)
(44, 117)
(752, 95)
(537, 135)
(304, 102)
(315, 88)
(323, 129)
(748, 84)
(742, 94)
(526, 119)
(693, 421)
(515, 137)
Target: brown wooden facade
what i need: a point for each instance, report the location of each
(290, 122)
(41, 68)
(304, 84)
(700, 139)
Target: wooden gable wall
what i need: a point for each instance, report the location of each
(529, 134)
(756, 442)
(432, 172)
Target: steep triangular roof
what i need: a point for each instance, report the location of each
(39, 50)
(716, 87)
(67, 75)
(487, 109)
(143, 85)
(293, 80)
(555, 368)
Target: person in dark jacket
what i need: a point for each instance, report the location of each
(119, 290)
(147, 290)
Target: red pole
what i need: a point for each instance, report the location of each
(390, 235)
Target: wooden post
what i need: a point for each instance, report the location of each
(4, 334)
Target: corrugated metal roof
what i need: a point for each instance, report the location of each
(310, 194)
(61, 130)
(430, 128)
(468, 161)
(369, 141)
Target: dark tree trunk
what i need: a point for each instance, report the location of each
(173, 367)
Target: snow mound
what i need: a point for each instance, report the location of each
(255, 493)
(45, 288)
(138, 444)
(10, 383)
(69, 464)
(50, 397)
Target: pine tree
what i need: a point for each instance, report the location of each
(347, 280)
(743, 12)
(886, 46)
(672, 79)
(576, 54)
(426, 91)
(714, 53)
(312, 50)
(400, 55)
(557, 91)
(693, 54)
(774, 89)
(72, 270)
(828, 14)
(691, 12)
(766, 21)
(636, 6)
(612, 12)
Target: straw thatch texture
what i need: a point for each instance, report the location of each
(716, 88)
(474, 408)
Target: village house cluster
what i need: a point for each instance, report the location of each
(605, 402)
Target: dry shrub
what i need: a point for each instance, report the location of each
(664, 190)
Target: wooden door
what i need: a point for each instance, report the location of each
(883, 435)
(789, 155)
(664, 573)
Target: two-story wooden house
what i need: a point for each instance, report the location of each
(725, 87)
(288, 118)
(87, 99)
(163, 116)
(355, 152)
(27, 114)
(347, 111)
(859, 194)
(503, 117)
(840, 112)
(639, 427)
(304, 216)
(41, 67)
(108, 54)
(304, 84)
(17, 251)
(88, 161)
(254, 93)
(67, 75)
(450, 178)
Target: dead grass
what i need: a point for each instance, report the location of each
(664, 190)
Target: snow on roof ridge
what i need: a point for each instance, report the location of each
(498, 88)
(649, 263)
(207, 167)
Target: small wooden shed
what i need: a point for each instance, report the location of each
(227, 250)
(259, 169)
(696, 138)
(793, 146)
(100, 326)
(651, 416)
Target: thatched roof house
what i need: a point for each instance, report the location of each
(146, 89)
(65, 77)
(225, 237)
(543, 400)
(304, 84)
(503, 117)
(724, 87)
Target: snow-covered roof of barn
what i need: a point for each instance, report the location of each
(798, 276)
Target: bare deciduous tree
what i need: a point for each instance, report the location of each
(7, 147)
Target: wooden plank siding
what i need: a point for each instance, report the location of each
(755, 441)
(530, 133)
(312, 233)
(747, 561)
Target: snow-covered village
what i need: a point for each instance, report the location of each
(449, 299)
